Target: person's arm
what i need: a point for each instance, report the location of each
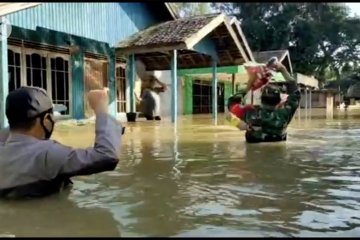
(62, 160)
(293, 91)
(294, 95)
(162, 85)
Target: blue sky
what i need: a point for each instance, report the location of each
(355, 8)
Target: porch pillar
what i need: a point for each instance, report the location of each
(77, 76)
(329, 105)
(174, 85)
(112, 83)
(131, 76)
(233, 83)
(310, 102)
(306, 99)
(4, 86)
(214, 91)
(299, 108)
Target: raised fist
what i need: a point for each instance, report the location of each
(99, 99)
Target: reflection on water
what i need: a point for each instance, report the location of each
(207, 182)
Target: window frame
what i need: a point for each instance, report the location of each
(23, 51)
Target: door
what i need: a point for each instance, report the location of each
(121, 88)
(202, 97)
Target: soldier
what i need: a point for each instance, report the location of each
(269, 121)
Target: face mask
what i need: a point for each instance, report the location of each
(48, 132)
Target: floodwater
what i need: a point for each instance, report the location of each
(207, 182)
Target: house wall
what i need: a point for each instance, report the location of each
(318, 100)
(307, 81)
(187, 88)
(105, 22)
(165, 77)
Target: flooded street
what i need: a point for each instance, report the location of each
(206, 181)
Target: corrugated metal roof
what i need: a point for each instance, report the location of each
(7, 8)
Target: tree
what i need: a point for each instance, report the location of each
(321, 37)
(188, 9)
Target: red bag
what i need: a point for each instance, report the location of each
(259, 76)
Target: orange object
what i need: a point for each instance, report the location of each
(259, 75)
(240, 111)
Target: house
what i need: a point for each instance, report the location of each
(68, 49)
(196, 89)
(352, 96)
(209, 41)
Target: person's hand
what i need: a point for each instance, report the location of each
(99, 100)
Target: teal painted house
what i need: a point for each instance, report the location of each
(68, 49)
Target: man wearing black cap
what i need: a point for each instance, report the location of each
(31, 165)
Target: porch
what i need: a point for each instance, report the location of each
(196, 42)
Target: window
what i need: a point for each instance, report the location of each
(60, 82)
(202, 97)
(29, 67)
(14, 70)
(36, 70)
(120, 89)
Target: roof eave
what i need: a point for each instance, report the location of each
(171, 11)
(8, 8)
(150, 49)
(197, 37)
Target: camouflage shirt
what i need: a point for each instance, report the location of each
(266, 124)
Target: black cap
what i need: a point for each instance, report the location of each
(271, 95)
(27, 103)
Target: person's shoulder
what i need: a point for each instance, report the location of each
(50, 144)
(55, 149)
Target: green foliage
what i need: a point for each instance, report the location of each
(322, 38)
(188, 9)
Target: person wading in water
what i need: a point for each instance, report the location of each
(150, 99)
(32, 165)
(269, 121)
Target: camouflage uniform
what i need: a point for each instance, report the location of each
(268, 124)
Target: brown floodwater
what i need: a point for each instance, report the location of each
(204, 180)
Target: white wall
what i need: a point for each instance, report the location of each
(307, 81)
(165, 77)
